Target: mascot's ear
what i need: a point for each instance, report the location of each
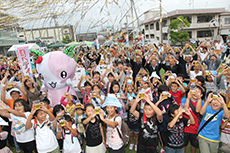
(69, 51)
(37, 56)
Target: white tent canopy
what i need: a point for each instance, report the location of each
(31, 46)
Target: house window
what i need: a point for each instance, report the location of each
(226, 20)
(164, 23)
(205, 33)
(165, 36)
(157, 26)
(147, 36)
(189, 18)
(146, 27)
(152, 26)
(204, 18)
(190, 34)
(152, 36)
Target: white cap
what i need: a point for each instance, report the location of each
(14, 89)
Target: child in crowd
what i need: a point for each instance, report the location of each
(45, 138)
(69, 133)
(163, 102)
(115, 89)
(175, 92)
(46, 102)
(209, 82)
(58, 112)
(96, 98)
(94, 132)
(19, 115)
(113, 122)
(3, 137)
(176, 127)
(86, 91)
(209, 136)
(80, 127)
(149, 120)
(70, 104)
(132, 121)
(225, 134)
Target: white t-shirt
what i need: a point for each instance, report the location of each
(18, 124)
(193, 74)
(218, 46)
(113, 139)
(46, 141)
(68, 146)
(203, 55)
(98, 101)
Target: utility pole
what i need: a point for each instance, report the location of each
(161, 39)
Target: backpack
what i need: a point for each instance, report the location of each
(124, 134)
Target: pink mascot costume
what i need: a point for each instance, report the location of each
(57, 69)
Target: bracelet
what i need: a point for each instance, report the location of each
(30, 117)
(59, 131)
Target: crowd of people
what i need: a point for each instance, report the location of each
(169, 97)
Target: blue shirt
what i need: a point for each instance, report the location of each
(211, 131)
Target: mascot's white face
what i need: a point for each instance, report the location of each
(57, 68)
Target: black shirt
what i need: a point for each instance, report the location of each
(148, 135)
(93, 132)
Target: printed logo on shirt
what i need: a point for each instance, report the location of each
(208, 116)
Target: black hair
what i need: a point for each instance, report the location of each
(96, 72)
(96, 85)
(113, 84)
(110, 74)
(201, 89)
(172, 109)
(181, 75)
(205, 48)
(56, 109)
(129, 65)
(36, 112)
(24, 103)
(87, 84)
(68, 118)
(120, 62)
(89, 105)
(175, 83)
(46, 101)
(162, 88)
(200, 78)
(74, 97)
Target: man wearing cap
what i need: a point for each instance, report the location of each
(14, 93)
(187, 61)
(213, 62)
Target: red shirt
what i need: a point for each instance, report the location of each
(177, 96)
(192, 128)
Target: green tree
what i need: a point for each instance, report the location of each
(66, 39)
(177, 32)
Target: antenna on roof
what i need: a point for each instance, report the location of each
(191, 4)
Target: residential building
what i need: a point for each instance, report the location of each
(48, 34)
(204, 23)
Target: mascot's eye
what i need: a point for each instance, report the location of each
(63, 74)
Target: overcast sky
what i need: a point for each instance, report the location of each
(112, 14)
